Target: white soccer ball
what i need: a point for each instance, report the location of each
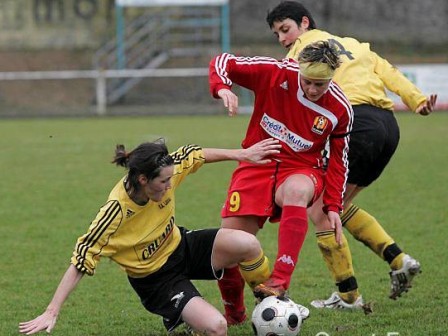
(276, 316)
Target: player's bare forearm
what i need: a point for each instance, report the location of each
(259, 153)
(47, 320)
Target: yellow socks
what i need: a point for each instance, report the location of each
(255, 271)
(367, 230)
(338, 259)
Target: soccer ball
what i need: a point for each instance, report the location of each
(275, 316)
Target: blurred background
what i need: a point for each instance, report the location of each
(58, 57)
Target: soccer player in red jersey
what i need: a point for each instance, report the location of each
(300, 105)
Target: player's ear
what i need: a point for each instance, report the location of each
(305, 24)
(143, 180)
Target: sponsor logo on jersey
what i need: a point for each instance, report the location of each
(155, 244)
(279, 131)
(319, 125)
(286, 259)
(178, 298)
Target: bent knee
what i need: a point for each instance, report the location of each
(237, 245)
(249, 245)
(218, 327)
(296, 190)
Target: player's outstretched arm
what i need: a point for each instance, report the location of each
(258, 153)
(428, 106)
(47, 320)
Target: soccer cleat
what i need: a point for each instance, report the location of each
(268, 288)
(335, 302)
(304, 311)
(401, 279)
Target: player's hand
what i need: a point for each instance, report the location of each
(46, 322)
(336, 224)
(259, 152)
(230, 101)
(428, 106)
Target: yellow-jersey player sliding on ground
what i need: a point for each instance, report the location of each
(137, 229)
(364, 77)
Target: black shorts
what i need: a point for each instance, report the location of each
(373, 141)
(167, 291)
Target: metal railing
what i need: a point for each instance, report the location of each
(101, 77)
(151, 39)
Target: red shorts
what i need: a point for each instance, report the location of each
(252, 189)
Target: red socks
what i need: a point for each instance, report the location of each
(291, 235)
(232, 292)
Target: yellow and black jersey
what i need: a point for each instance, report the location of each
(138, 238)
(363, 75)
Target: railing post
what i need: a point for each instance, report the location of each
(120, 31)
(225, 28)
(101, 100)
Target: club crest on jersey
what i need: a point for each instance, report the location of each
(319, 125)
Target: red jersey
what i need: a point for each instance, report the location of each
(282, 111)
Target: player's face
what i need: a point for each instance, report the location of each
(155, 189)
(287, 32)
(313, 89)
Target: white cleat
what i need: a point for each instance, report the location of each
(335, 302)
(304, 311)
(401, 279)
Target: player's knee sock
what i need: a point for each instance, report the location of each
(291, 234)
(367, 230)
(338, 259)
(231, 287)
(394, 256)
(348, 289)
(255, 271)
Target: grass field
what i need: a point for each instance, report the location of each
(56, 174)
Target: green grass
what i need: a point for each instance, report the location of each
(56, 173)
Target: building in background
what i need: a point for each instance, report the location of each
(38, 35)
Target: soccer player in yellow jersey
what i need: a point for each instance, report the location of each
(364, 77)
(137, 229)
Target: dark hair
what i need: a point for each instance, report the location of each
(289, 10)
(320, 51)
(147, 159)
